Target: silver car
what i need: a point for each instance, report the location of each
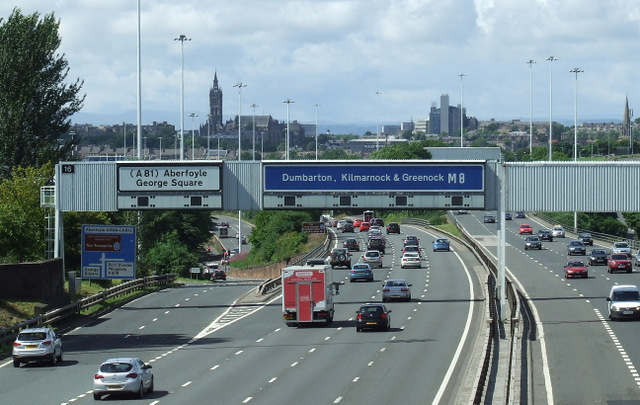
(396, 288)
(373, 258)
(123, 375)
(37, 344)
(621, 247)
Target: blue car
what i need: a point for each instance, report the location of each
(441, 244)
(508, 216)
(520, 214)
(360, 271)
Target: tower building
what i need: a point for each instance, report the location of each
(215, 105)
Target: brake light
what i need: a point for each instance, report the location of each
(386, 290)
(359, 316)
(16, 344)
(132, 375)
(404, 290)
(98, 376)
(383, 315)
(46, 343)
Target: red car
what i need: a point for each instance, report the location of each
(357, 222)
(526, 228)
(619, 261)
(576, 268)
(364, 226)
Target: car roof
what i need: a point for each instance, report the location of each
(624, 287)
(410, 254)
(30, 330)
(121, 360)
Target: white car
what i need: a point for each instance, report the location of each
(558, 232)
(410, 259)
(373, 258)
(128, 375)
(623, 301)
(621, 247)
(37, 344)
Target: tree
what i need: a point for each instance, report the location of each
(35, 103)
(403, 151)
(21, 217)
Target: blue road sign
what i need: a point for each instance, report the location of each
(108, 251)
(365, 176)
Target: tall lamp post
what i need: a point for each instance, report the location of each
(193, 138)
(377, 122)
(208, 136)
(239, 85)
(575, 137)
(160, 153)
(530, 62)
(182, 38)
(462, 75)
(288, 102)
(550, 59)
(575, 116)
(317, 105)
(254, 106)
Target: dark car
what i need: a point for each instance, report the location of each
(545, 234)
(489, 219)
(576, 247)
(351, 244)
(520, 214)
(411, 240)
(393, 227)
(340, 258)
(377, 243)
(373, 316)
(219, 275)
(532, 242)
(377, 222)
(598, 256)
(586, 238)
(347, 227)
(508, 216)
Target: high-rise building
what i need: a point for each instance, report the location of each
(215, 105)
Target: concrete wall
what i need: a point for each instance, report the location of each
(39, 281)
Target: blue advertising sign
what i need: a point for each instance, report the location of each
(367, 176)
(108, 251)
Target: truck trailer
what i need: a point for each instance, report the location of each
(307, 294)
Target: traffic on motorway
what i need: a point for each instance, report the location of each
(583, 297)
(431, 314)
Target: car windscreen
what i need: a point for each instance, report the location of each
(625, 296)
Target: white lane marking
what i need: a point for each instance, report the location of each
(273, 380)
(187, 383)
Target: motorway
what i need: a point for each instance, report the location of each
(205, 346)
(578, 355)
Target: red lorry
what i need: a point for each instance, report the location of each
(307, 294)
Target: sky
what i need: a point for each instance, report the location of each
(371, 62)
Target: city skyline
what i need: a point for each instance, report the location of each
(387, 67)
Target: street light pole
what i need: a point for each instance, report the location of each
(208, 136)
(462, 75)
(160, 153)
(193, 138)
(317, 105)
(575, 115)
(530, 62)
(377, 123)
(239, 85)
(287, 141)
(254, 106)
(182, 38)
(550, 59)
(575, 139)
